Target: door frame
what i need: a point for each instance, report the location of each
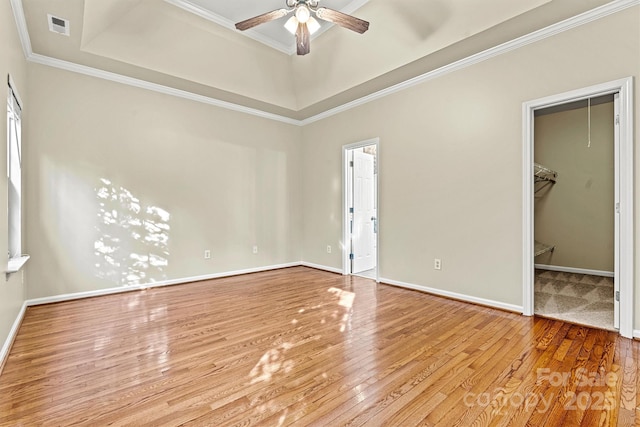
(346, 234)
(624, 239)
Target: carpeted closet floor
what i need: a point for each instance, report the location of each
(577, 298)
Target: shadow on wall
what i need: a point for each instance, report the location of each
(132, 247)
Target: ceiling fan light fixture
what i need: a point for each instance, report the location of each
(303, 24)
(313, 25)
(291, 25)
(303, 13)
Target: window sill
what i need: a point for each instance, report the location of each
(15, 264)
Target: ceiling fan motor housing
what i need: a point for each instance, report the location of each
(309, 3)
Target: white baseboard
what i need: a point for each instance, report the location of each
(4, 353)
(100, 292)
(456, 296)
(109, 291)
(321, 267)
(636, 334)
(574, 270)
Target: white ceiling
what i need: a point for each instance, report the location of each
(191, 46)
(273, 34)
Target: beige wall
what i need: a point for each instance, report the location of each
(576, 213)
(401, 32)
(12, 291)
(204, 178)
(451, 161)
(131, 186)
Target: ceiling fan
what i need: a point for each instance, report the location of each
(303, 24)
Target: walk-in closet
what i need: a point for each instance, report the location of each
(574, 229)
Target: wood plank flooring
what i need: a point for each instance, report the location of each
(304, 347)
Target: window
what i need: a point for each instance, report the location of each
(14, 173)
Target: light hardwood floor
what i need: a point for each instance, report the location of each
(304, 347)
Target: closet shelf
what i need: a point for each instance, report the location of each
(541, 248)
(543, 174)
(547, 177)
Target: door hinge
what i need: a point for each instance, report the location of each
(350, 210)
(351, 256)
(618, 296)
(351, 163)
(618, 207)
(617, 119)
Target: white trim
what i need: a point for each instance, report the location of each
(616, 201)
(122, 289)
(636, 333)
(574, 270)
(456, 296)
(626, 230)
(21, 23)
(321, 267)
(626, 247)
(143, 84)
(110, 291)
(289, 49)
(345, 204)
(15, 264)
(220, 20)
(13, 332)
(552, 30)
(527, 212)
(25, 40)
(4, 352)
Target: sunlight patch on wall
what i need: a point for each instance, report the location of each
(132, 246)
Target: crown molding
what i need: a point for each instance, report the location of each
(220, 20)
(21, 23)
(143, 84)
(552, 30)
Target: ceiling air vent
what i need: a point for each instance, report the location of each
(58, 25)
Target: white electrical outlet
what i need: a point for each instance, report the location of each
(255, 249)
(207, 254)
(437, 264)
(328, 249)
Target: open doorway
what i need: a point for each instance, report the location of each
(361, 209)
(574, 218)
(620, 204)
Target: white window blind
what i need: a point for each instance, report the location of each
(14, 173)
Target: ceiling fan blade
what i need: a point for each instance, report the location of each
(302, 39)
(347, 21)
(261, 19)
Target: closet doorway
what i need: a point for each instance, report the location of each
(578, 207)
(574, 218)
(361, 209)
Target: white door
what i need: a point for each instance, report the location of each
(616, 244)
(363, 238)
